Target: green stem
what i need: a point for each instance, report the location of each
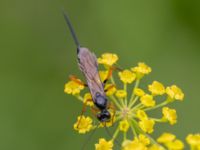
(112, 80)
(133, 129)
(125, 89)
(115, 134)
(79, 98)
(125, 136)
(157, 106)
(142, 132)
(133, 102)
(115, 101)
(133, 94)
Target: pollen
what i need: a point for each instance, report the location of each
(157, 88)
(104, 145)
(127, 76)
(166, 137)
(124, 125)
(147, 100)
(121, 93)
(141, 70)
(73, 88)
(170, 115)
(147, 125)
(83, 124)
(108, 59)
(175, 92)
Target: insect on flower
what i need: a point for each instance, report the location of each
(88, 65)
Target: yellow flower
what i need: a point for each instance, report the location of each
(147, 125)
(143, 139)
(121, 93)
(104, 145)
(108, 59)
(155, 147)
(193, 140)
(147, 100)
(166, 137)
(124, 125)
(157, 88)
(83, 124)
(141, 114)
(175, 92)
(127, 76)
(110, 89)
(138, 92)
(73, 88)
(170, 115)
(110, 122)
(175, 145)
(141, 70)
(103, 75)
(88, 99)
(133, 145)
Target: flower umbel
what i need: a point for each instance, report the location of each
(130, 110)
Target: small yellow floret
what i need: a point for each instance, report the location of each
(157, 88)
(141, 114)
(147, 125)
(103, 75)
(104, 145)
(147, 100)
(155, 147)
(175, 145)
(138, 92)
(108, 59)
(141, 70)
(121, 93)
(133, 145)
(193, 140)
(88, 99)
(127, 76)
(143, 139)
(124, 125)
(175, 92)
(83, 124)
(110, 89)
(73, 88)
(166, 137)
(170, 115)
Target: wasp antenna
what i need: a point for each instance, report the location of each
(71, 29)
(108, 132)
(88, 139)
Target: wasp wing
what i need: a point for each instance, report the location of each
(89, 66)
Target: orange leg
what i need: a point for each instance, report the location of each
(83, 110)
(109, 87)
(112, 106)
(110, 71)
(75, 79)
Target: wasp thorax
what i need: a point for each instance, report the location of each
(100, 101)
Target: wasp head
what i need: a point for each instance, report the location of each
(104, 116)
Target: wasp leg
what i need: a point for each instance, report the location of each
(83, 110)
(110, 71)
(109, 87)
(112, 106)
(75, 79)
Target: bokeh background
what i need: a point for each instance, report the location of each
(38, 54)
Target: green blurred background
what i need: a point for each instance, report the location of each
(38, 54)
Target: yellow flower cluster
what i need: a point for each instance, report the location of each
(130, 110)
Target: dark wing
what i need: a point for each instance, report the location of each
(89, 66)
